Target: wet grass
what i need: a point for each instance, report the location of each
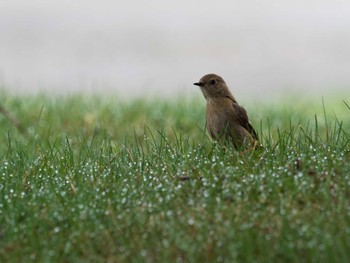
(99, 180)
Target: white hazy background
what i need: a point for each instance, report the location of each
(262, 49)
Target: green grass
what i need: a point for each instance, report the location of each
(100, 180)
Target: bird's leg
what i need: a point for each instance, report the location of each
(254, 147)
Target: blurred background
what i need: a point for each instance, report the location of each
(263, 49)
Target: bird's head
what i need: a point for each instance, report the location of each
(213, 86)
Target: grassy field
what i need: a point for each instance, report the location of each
(91, 179)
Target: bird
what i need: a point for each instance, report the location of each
(226, 120)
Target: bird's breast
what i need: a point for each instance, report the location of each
(218, 117)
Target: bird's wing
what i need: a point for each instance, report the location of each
(243, 120)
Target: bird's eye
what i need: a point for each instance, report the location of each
(213, 82)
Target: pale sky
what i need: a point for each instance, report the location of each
(156, 48)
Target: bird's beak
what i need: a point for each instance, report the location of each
(200, 84)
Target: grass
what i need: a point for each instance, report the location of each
(100, 180)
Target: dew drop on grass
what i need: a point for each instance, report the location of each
(169, 213)
(165, 242)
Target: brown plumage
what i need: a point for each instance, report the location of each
(226, 119)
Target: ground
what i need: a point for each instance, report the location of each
(92, 179)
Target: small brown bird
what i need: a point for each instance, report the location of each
(226, 119)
